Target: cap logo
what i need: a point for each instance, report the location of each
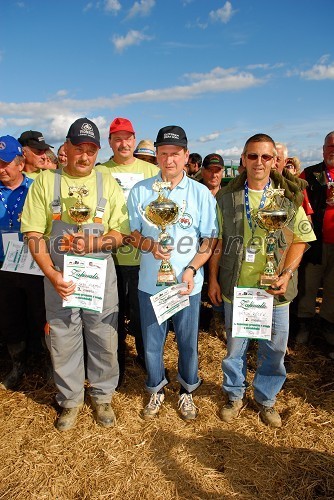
(87, 129)
(2, 145)
(41, 138)
(170, 135)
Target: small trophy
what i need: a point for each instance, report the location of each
(271, 218)
(79, 212)
(163, 212)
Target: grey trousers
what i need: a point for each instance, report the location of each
(311, 278)
(69, 329)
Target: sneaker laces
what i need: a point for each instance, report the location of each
(186, 401)
(155, 401)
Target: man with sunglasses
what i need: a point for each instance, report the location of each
(241, 257)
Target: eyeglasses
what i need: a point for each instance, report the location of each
(264, 158)
(290, 167)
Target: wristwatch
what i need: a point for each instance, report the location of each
(192, 268)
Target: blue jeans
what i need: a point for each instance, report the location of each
(154, 336)
(270, 374)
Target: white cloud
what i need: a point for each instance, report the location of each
(61, 93)
(233, 152)
(88, 7)
(223, 14)
(210, 137)
(319, 72)
(53, 117)
(113, 6)
(141, 8)
(133, 37)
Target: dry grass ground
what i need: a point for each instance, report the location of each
(167, 458)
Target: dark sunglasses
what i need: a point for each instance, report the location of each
(254, 156)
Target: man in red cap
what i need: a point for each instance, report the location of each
(127, 170)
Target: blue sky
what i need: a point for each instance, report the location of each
(223, 70)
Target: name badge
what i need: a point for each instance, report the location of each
(250, 253)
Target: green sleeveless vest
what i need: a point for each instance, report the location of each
(231, 203)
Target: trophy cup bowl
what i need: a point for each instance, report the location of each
(271, 218)
(163, 212)
(79, 213)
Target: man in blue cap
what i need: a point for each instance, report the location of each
(21, 295)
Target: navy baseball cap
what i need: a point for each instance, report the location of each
(171, 135)
(83, 131)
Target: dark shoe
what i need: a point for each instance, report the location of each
(231, 410)
(17, 354)
(270, 416)
(105, 415)
(153, 406)
(67, 418)
(187, 407)
(327, 330)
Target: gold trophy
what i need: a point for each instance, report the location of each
(271, 218)
(79, 212)
(161, 213)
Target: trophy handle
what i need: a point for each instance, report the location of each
(143, 214)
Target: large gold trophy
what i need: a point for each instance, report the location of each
(271, 218)
(162, 212)
(79, 212)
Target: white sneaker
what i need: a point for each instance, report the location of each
(187, 407)
(154, 405)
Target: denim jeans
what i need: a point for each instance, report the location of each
(154, 336)
(270, 374)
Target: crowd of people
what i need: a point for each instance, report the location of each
(216, 237)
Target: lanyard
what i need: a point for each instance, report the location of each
(11, 211)
(247, 206)
(329, 177)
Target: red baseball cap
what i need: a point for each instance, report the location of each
(121, 125)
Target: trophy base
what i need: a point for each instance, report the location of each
(267, 281)
(166, 279)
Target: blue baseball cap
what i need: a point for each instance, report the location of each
(10, 148)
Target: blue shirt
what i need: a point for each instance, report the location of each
(11, 197)
(197, 219)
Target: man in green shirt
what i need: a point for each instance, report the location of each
(51, 232)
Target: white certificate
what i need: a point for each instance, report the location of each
(127, 181)
(89, 276)
(169, 301)
(252, 313)
(18, 259)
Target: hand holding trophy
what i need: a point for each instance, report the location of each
(271, 218)
(163, 212)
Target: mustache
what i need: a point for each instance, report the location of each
(83, 163)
